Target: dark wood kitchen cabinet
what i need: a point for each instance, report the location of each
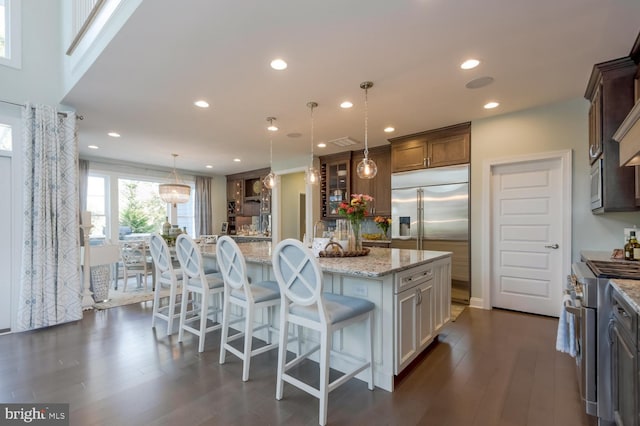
(335, 183)
(380, 186)
(434, 148)
(624, 355)
(611, 93)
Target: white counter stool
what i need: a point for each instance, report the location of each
(304, 304)
(166, 277)
(195, 281)
(238, 292)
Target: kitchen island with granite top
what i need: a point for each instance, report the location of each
(411, 290)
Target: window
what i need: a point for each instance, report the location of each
(97, 205)
(5, 137)
(10, 30)
(123, 203)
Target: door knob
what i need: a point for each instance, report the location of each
(552, 246)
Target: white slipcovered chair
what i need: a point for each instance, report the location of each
(249, 297)
(136, 262)
(197, 282)
(166, 277)
(304, 304)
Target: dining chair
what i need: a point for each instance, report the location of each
(249, 297)
(304, 304)
(196, 282)
(136, 262)
(166, 277)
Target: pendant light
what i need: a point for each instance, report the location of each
(313, 175)
(367, 168)
(270, 180)
(176, 192)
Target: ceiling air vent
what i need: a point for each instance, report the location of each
(346, 141)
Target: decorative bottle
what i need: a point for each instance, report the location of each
(166, 226)
(630, 249)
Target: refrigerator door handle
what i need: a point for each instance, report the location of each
(419, 220)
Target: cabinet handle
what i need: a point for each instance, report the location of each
(424, 162)
(428, 161)
(591, 153)
(417, 297)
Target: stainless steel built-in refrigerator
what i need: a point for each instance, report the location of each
(430, 211)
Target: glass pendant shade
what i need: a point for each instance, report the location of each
(174, 193)
(367, 169)
(312, 176)
(270, 180)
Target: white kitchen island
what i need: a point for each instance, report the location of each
(410, 288)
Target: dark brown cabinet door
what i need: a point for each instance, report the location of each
(448, 151)
(335, 183)
(595, 126)
(434, 148)
(611, 93)
(409, 155)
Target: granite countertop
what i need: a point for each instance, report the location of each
(379, 261)
(630, 290)
(601, 256)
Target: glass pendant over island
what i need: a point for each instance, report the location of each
(367, 168)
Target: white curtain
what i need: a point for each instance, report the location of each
(51, 285)
(202, 201)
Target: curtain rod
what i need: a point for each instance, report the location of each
(79, 117)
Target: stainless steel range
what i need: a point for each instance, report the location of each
(591, 304)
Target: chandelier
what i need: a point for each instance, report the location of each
(174, 193)
(313, 175)
(270, 180)
(367, 168)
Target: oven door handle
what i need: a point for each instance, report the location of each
(568, 306)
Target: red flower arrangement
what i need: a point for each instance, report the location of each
(357, 209)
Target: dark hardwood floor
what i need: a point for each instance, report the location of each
(488, 368)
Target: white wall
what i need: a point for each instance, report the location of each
(40, 79)
(292, 185)
(552, 127)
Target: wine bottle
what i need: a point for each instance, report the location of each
(630, 247)
(166, 226)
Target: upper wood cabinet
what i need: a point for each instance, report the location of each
(380, 186)
(435, 148)
(611, 92)
(335, 183)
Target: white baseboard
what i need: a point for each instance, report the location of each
(476, 302)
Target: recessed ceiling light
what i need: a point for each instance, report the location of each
(279, 64)
(209, 166)
(114, 134)
(237, 160)
(491, 105)
(322, 145)
(346, 104)
(389, 129)
(201, 104)
(93, 147)
(469, 64)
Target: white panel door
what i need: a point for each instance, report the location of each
(5, 245)
(527, 212)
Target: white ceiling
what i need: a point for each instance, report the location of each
(170, 54)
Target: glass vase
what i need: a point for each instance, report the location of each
(356, 236)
